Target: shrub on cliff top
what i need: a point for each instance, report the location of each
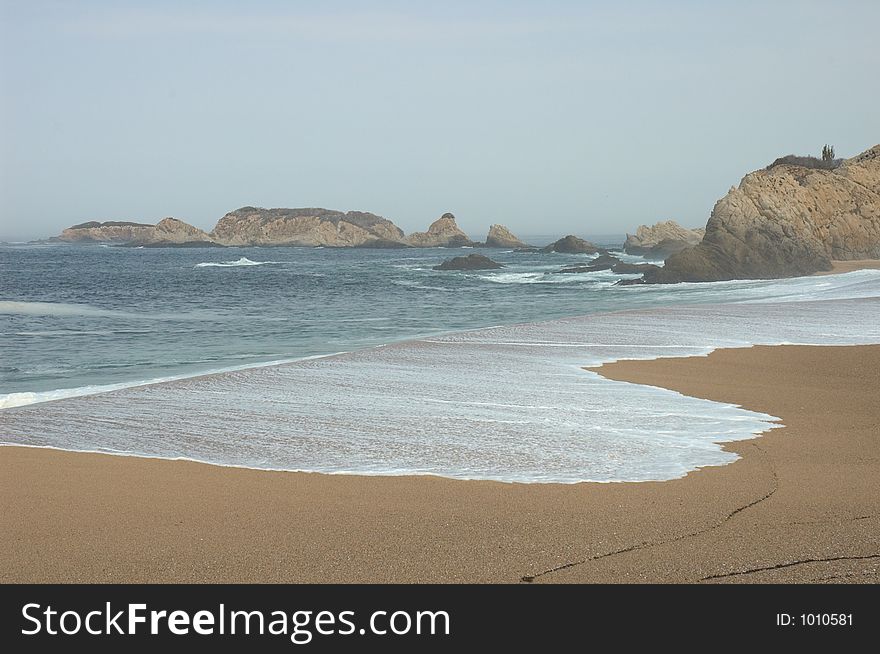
(807, 162)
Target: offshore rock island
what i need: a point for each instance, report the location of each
(167, 232)
(304, 227)
(792, 218)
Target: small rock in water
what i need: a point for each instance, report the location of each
(624, 268)
(470, 262)
(602, 262)
(573, 245)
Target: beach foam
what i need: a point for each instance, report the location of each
(508, 403)
(243, 261)
(11, 400)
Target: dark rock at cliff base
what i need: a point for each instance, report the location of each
(624, 268)
(661, 250)
(573, 245)
(470, 262)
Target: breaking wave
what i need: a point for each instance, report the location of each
(243, 261)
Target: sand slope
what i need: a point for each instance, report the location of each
(801, 505)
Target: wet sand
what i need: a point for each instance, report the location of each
(802, 504)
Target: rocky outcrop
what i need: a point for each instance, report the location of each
(443, 232)
(112, 231)
(573, 245)
(172, 230)
(304, 227)
(784, 221)
(662, 239)
(624, 268)
(501, 237)
(470, 262)
(169, 232)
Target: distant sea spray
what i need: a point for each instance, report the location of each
(243, 261)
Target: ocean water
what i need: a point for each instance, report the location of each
(369, 362)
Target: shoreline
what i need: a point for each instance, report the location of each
(15, 399)
(799, 505)
(839, 267)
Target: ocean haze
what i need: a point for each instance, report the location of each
(564, 117)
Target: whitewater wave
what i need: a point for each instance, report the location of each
(56, 309)
(67, 310)
(10, 400)
(243, 261)
(540, 278)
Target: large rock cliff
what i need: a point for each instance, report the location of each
(443, 232)
(786, 220)
(306, 227)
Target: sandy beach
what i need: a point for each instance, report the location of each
(838, 267)
(800, 505)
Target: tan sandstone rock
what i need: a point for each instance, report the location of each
(168, 232)
(787, 220)
(112, 231)
(501, 237)
(306, 227)
(443, 232)
(661, 239)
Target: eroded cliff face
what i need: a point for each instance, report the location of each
(443, 232)
(784, 221)
(661, 239)
(172, 231)
(169, 231)
(306, 227)
(501, 237)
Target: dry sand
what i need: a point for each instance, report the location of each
(801, 505)
(849, 266)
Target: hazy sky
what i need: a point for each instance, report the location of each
(550, 117)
